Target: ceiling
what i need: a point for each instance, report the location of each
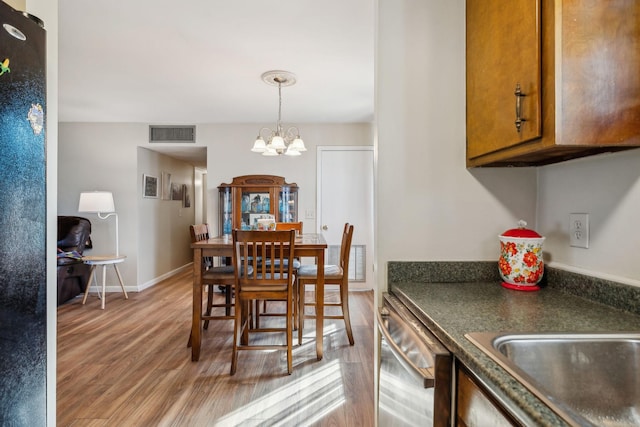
(200, 61)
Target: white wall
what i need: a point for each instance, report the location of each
(100, 156)
(429, 206)
(607, 187)
(163, 225)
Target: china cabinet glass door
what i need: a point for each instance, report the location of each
(256, 204)
(288, 205)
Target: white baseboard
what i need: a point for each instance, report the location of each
(146, 285)
(159, 279)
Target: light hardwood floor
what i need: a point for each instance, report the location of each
(129, 366)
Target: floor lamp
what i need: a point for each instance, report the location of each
(100, 203)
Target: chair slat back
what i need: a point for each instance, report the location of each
(289, 226)
(274, 249)
(199, 232)
(345, 248)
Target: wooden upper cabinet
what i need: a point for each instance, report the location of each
(503, 52)
(577, 65)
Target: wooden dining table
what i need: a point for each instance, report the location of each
(306, 245)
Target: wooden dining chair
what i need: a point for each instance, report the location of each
(270, 280)
(333, 275)
(221, 276)
(297, 226)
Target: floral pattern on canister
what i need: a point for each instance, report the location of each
(521, 263)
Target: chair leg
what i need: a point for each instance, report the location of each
(256, 309)
(300, 301)
(210, 289)
(294, 302)
(237, 327)
(302, 285)
(289, 310)
(344, 300)
(245, 320)
(228, 294)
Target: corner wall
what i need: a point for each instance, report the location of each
(607, 187)
(445, 212)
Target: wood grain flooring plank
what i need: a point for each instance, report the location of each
(129, 365)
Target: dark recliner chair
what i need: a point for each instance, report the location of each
(74, 235)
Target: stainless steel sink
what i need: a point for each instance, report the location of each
(587, 379)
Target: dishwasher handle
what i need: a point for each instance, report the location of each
(426, 375)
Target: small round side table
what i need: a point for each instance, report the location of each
(104, 261)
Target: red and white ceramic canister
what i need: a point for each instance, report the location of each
(520, 264)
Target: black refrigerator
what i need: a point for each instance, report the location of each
(23, 323)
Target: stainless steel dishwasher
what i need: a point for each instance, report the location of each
(414, 377)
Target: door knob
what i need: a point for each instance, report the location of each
(325, 228)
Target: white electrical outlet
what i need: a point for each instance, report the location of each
(579, 230)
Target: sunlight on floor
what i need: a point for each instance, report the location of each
(309, 398)
(310, 333)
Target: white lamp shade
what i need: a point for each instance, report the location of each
(270, 151)
(298, 144)
(291, 151)
(259, 146)
(278, 143)
(96, 202)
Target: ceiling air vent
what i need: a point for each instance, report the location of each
(172, 134)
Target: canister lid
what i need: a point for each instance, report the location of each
(521, 231)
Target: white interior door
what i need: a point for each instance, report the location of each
(345, 194)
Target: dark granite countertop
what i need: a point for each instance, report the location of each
(452, 309)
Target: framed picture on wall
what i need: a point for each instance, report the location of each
(186, 201)
(176, 191)
(166, 186)
(150, 186)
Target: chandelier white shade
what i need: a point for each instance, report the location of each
(274, 142)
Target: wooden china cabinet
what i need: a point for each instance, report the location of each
(250, 197)
(551, 80)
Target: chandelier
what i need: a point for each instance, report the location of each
(273, 142)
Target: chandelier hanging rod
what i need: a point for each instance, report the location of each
(280, 141)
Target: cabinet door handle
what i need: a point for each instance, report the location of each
(519, 95)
